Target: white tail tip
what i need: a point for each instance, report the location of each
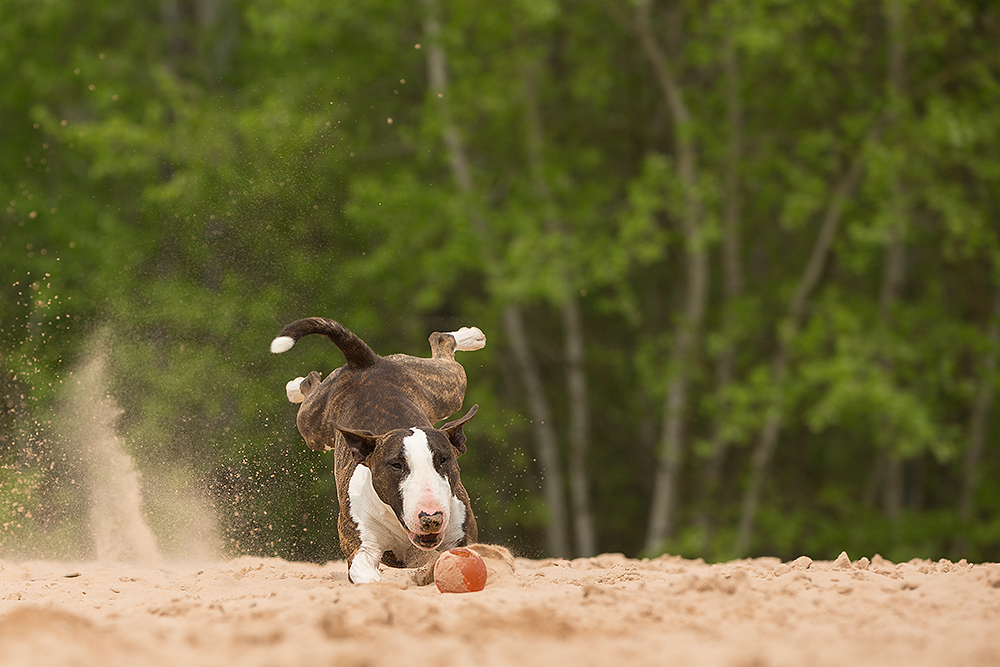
(282, 344)
(292, 390)
(469, 338)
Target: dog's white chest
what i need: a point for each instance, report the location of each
(376, 521)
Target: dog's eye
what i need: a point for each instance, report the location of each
(443, 460)
(396, 465)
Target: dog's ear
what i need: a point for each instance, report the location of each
(361, 443)
(454, 430)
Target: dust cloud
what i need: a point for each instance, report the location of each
(117, 522)
(99, 505)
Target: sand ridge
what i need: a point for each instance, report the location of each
(606, 610)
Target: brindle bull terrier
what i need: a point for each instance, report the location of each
(401, 499)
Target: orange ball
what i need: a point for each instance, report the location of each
(460, 570)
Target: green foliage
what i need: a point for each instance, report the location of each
(17, 489)
(195, 175)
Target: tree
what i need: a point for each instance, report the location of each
(688, 325)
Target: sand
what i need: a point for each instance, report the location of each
(607, 610)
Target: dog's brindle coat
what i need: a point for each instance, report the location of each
(401, 499)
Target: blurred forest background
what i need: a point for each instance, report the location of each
(738, 261)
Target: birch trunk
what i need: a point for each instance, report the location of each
(768, 439)
(732, 284)
(546, 443)
(892, 278)
(545, 434)
(437, 78)
(894, 271)
(688, 326)
(979, 422)
(585, 542)
(579, 428)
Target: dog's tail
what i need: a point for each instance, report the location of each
(355, 350)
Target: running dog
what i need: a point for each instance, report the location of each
(401, 499)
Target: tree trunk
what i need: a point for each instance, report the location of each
(545, 433)
(579, 429)
(979, 422)
(170, 17)
(894, 271)
(732, 284)
(889, 462)
(688, 325)
(791, 324)
(573, 335)
(513, 320)
(437, 78)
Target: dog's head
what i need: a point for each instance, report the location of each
(415, 472)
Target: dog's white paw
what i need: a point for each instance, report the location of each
(294, 392)
(468, 339)
(364, 571)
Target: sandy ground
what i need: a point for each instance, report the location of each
(607, 610)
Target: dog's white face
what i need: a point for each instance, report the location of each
(413, 472)
(425, 490)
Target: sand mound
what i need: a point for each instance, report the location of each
(607, 610)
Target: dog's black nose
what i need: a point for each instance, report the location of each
(431, 522)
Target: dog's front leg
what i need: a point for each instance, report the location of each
(364, 567)
(366, 527)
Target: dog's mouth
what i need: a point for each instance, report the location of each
(426, 541)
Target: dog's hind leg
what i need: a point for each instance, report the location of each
(438, 384)
(466, 340)
(299, 388)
